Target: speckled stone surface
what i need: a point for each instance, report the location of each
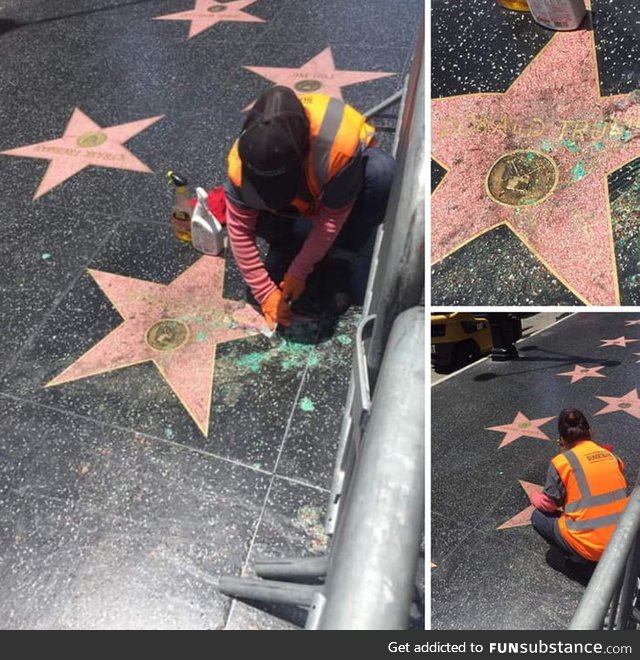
(499, 269)
(490, 578)
(116, 510)
(495, 79)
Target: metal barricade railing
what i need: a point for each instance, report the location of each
(375, 516)
(610, 601)
(371, 575)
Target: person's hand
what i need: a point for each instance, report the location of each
(292, 287)
(276, 310)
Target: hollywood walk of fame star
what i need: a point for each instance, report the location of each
(618, 341)
(536, 158)
(521, 427)
(84, 143)
(524, 517)
(207, 13)
(629, 403)
(634, 322)
(176, 326)
(579, 372)
(319, 75)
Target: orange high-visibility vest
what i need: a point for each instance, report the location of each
(596, 494)
(337, 131)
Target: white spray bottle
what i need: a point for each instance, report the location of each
(206, 230)
(558, 14)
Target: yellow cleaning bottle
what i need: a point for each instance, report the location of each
(181, 211)
(518, 5)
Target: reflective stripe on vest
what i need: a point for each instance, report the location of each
(337, 132)
(588, 520)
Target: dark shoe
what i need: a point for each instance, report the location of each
(556, 560)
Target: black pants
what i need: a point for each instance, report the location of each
(286, 236)
(546, 524)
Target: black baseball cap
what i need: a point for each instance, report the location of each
(273, 147)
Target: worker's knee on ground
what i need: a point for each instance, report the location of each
(537, 520)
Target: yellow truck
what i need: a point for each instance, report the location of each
(458, 338)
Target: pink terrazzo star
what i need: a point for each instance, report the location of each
(319, 75)
(629, 403)
(635, 322)
(85, 143)
(637, 360)
(553, 116)
(207, 13)
(521, 427)
(176, 326)
(579, 372)
(618, 341)
(524, 517)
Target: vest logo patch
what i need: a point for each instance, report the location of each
(598, 456)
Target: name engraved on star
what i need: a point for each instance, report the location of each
(521, 178)
(578, 130)
(59, 151)
(215, 8)
(103, 155)
(320, 76)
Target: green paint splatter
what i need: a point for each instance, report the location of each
(626, 136)
(546, 146)
(313, 360)
(307, 404)
(530, 156)
(598, 146)
(169, 433)
(253, 361)
(45, 256)
(578, 172)
(570, 145)
(345, 340)
(201, 335)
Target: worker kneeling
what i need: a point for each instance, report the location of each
(583, 498)
(304, 175)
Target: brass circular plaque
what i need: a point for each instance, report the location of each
(521, 178)
(167, 335)
(524, 425)
(91, 139)
(308, 86)
(215, 8)
(624, 405)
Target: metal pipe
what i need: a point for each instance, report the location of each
(610, 569)
(291, 568)
(398, 283)
(286, 593)
(394, 98)
(372, 566)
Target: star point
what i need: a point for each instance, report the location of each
(521, 427)
(176, 326)
(523, 517)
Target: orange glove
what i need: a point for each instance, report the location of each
(276, 310)
(292, 287)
